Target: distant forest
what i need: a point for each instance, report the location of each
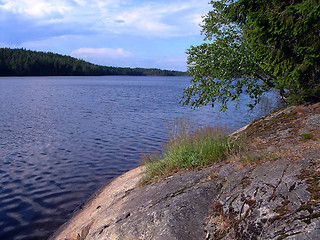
(22, 62)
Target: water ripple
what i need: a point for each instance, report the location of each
(62, 138)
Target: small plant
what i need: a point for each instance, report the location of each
(306, 136)
(189, 149)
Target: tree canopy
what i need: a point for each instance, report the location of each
(21, 62)
(252, 46)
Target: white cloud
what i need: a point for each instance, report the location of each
(36, 8)
(105, 31)
(87, 53)
(160, 19)
(144, 18)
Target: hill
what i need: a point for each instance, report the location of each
(22, 62)
(273, 193)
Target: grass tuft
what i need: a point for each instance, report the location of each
(306, 136)
(188, 149)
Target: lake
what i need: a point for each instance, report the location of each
(61, 138)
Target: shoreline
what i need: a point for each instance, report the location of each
(273, 197)
(78, 219)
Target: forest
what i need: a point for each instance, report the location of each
(22, 62)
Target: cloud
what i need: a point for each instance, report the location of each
(145, 18)
(87, 53)
(37, 8)
(163, 19)
(17, 29)
(105, 31)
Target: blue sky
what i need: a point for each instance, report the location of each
(122, 33)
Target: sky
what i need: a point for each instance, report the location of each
(120, 33)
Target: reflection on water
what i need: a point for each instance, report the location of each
(63, 137)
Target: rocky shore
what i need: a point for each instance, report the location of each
(273, 193)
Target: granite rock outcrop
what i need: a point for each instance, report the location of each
(273, 193)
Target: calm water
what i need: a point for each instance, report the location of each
(61, 138)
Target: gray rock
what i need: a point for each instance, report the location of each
(277, 199)
(269, 207)
(270, 201)
(171, 209)
(313, 122)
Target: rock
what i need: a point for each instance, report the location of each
(265, 202)
(313, 122)
(171, 209)
(267, 208)
(276, 198)
(174, 208)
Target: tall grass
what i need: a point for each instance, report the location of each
(189, 149)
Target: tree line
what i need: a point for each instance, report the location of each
(22, 62)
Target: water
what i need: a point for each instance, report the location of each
(61, 138)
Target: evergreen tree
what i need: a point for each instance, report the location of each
(21, 62)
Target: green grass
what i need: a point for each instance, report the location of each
(189, 150)
(306, 136)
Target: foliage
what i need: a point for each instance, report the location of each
(252, 46)
(189, 150)
(286, 34)
(21, 62)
